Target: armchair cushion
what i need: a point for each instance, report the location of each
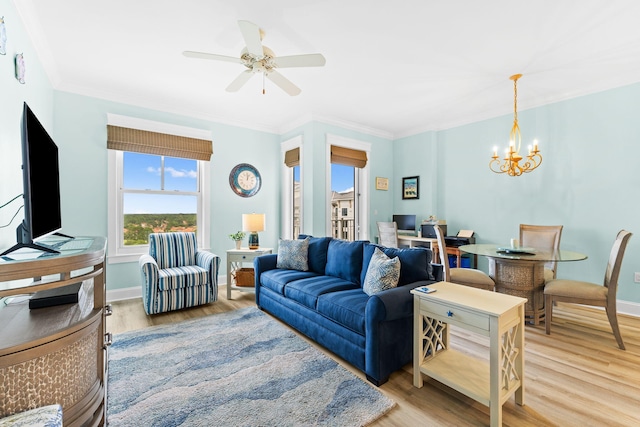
(173, 249)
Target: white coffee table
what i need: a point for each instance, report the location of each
(498, 316)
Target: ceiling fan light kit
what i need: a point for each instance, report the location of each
(261, 59)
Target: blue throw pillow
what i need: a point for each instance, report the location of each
(293, 254)
(382, 273)
(318, 247)
(415, 263)
(344, 260)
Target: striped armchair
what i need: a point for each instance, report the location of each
(175, 274)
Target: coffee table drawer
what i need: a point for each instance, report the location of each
(452, 315)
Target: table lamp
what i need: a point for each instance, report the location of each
(253, 223)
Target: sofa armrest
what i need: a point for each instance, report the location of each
(264, 263)
(210, 262)
(392, 304)
(149, 281)
(260, 265)
(438, 272)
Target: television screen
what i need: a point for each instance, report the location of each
(42, 181)
(41, 184)
(405, 222)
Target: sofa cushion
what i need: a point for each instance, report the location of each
(306, 291)
(415, 263)
(382, 273)
(344, 260)
(318, 247)
(345, 307)
(292, 254)
(277, 279)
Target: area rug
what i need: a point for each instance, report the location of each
(240, 368)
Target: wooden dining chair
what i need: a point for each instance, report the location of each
(578, 292)
(387, 234)
(461, 276)
(544, 237)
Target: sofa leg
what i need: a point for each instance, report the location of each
(376, 382)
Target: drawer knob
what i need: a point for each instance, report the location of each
(450, 313)
(108, 310)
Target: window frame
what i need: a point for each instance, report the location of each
(361, 187)
(287, 188)
(119, 253)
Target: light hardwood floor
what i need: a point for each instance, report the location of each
(576, 376)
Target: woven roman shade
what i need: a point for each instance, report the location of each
(162, 144)
(292, 157)
(348, 157)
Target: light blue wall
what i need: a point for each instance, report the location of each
(38, 93)
(588, 180)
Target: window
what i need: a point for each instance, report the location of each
(292, 207)
(347, 181)
(154, 192)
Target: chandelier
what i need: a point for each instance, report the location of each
(512, 157)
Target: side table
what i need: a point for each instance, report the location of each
(235, 259)
(498, 316)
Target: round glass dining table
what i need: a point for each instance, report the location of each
(520, 272)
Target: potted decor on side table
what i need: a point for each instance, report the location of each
(237, 237)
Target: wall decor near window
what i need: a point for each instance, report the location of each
(382, 183)
(3, 37)
(411, 187)
(20, 68)
(245, 180)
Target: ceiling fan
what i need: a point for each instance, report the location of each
(260, 59)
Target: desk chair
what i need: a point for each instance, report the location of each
(461, 276)
(387, 234)
(577, 292)
(545, 237)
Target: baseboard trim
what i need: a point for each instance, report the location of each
(629, 308)
(132, 292)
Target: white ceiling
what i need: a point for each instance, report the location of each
(393, 68)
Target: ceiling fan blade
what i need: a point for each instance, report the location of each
(251, 34)
(284, 83)
(202, 55)
(239, 81)
(309, 60)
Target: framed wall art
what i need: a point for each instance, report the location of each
(411, 187)
(382, 183)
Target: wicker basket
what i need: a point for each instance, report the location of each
(244, 277)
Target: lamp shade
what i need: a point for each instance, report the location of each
(253, 222)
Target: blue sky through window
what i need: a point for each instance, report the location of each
(142, 172)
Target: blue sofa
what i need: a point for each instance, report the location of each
(328, 304)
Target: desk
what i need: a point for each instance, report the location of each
(522, 274)
(415, 241)
(498, 316)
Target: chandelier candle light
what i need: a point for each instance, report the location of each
(512, 158)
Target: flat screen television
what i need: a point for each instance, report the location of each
(41, 185)
(406, 223)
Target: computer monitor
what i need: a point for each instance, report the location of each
(406, 223)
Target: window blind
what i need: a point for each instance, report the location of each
(292, 157)
(348, 157)
(142, 141)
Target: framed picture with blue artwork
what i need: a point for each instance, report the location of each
(411, 187)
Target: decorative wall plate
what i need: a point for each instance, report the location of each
(245, 180)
